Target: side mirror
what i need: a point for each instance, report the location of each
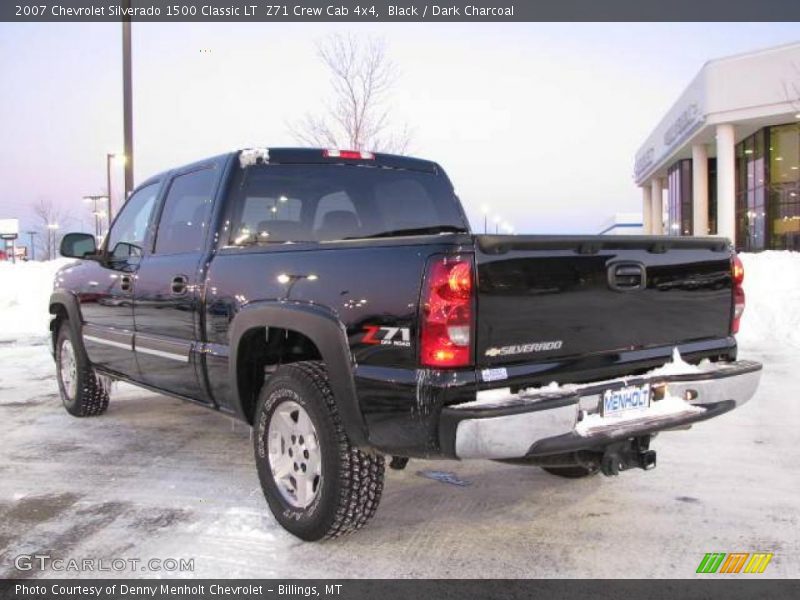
(78, 245)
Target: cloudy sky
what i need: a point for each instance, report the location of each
(538, 121)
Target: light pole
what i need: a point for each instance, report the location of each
(33, 247)
(97, 213)
(53, 228)
(120, 159)
(485, 211)
(497, 220)
(127, 104)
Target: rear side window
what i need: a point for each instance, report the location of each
(269, 217)
(187, 209)
(319, 203)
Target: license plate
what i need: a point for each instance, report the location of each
(626, 400)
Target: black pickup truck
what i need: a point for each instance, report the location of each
(338, 303)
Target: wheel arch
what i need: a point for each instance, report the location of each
(64, 305)
(328, 335)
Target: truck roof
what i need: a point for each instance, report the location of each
(315, 156)
(324, 156)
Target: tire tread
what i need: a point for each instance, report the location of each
(92, 395)
(362, 473)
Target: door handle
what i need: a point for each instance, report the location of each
(125, 283)
(179, 285)
(627, 277)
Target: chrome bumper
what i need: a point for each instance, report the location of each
(502, 425)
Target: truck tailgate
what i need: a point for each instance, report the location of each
(543, 298)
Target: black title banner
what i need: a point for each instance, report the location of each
(372, 11)
(731, 588)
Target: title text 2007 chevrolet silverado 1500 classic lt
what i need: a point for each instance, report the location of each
(338, 303)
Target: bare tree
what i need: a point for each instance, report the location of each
(48, 215)
(357, 116)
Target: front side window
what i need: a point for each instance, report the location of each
(127, 236)
(187, 210)
(321, 203)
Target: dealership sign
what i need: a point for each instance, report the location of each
(9, 229)
(686, 117)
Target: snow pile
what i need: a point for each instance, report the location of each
(25, 289)
(677, 366)
(772, 288)
(669, 406)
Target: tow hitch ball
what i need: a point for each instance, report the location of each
(630, 454)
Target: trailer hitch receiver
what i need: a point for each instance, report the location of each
(629, 454)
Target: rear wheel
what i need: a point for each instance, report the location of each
(316, 483)
(573, 472)
(83, 392)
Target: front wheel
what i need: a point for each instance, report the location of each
(316, 483)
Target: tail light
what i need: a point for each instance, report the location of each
(737, 275)
(447, 311)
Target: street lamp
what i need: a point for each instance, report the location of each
(119, 159)
(485, 211)
(98, 214)
(53, 228)
(497, 219)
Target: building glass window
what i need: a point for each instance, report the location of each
(784, 187)
(679, 196)
(751, 192)
(768, 189)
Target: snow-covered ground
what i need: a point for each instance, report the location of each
(158, 478)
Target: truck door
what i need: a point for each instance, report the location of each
(169, 286)
(106, 294)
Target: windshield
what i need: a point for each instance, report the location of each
(298, 203)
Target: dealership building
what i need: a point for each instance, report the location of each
(725, 160)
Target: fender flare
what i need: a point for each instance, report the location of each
(72, 307)
(328, 334)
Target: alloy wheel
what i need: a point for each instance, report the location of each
(68, 368)
(294, 454)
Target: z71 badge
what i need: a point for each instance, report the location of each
(387, 336)
(525, 348)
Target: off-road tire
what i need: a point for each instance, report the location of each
(351, 480)
(574, 472)
(90, 396)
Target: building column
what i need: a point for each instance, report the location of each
(647, 210)
(657, 206)
(700, 189)
(726, 181)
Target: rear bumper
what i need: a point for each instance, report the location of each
(502, 425)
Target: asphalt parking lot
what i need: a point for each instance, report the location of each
(156, 478)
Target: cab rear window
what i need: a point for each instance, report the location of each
(318, 203)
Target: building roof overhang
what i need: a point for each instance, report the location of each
(751, 90)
